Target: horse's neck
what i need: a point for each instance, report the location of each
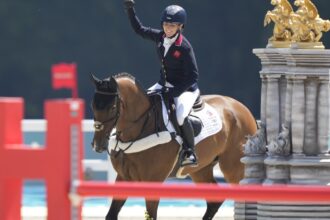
(134, 99)
(135, 104)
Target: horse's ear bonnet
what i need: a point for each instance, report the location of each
(112, 86)
(106, 85)
(96, 81)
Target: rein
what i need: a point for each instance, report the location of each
(147, 112)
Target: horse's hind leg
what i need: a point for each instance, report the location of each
(152, 207)
(230, 164)
(205, 175)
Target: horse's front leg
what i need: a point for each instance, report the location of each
(115, 208)
(116, 205)
(152, 207)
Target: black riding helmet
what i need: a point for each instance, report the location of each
(174, 14)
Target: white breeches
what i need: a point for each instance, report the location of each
(183, 103)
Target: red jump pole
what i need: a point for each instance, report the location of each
(210, 192)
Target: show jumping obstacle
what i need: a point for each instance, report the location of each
(60, 165)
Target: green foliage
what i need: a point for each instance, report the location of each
(97, 36)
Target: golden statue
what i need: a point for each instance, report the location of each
(307, 26)
(280, 15)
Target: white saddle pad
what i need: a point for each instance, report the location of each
(212, 124)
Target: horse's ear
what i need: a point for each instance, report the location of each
(113, 84)
(96, 81)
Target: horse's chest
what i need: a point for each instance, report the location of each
(124, 167)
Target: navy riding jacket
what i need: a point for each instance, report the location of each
(179, 66)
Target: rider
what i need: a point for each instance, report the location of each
(179, 72)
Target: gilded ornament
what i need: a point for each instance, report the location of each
(300, 29)
(307, 26)
(280, 15)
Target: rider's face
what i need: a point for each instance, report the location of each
(171, 29)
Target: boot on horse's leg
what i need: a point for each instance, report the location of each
(187, 154)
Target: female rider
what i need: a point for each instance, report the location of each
(179, 72)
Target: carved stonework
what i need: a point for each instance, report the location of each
(297, 152)
(256, 144)
(281, 145)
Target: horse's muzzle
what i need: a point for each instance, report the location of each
(100, 147)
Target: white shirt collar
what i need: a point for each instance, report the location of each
(168, 42)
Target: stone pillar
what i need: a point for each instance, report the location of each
(263, 101)
(273, 107)
(255, 153)
(298, 115)
(310, 137)
(288, 101)
(323, 117)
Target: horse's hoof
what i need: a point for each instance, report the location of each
(190, 164)
(189, 161)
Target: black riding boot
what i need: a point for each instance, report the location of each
(187, 155)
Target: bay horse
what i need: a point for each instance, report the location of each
(120, 103)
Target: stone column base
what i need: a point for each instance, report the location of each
(290, 211)
(245, 211)
(310, 170)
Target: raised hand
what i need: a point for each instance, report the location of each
(129, 4)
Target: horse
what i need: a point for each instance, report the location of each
(120, 103)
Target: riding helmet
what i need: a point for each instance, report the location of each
(174, 14)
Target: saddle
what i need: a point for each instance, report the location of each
(171, 110)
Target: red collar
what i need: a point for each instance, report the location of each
(178, 41)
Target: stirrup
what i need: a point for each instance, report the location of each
(188, 158)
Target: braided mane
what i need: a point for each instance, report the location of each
(124, 75)
(131, 77)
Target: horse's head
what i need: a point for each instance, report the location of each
(106, 109)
